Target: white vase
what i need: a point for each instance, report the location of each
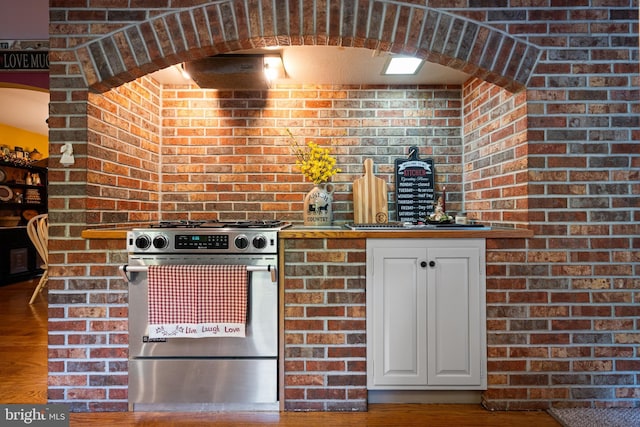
(317, 205)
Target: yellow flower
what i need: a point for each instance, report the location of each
(315, 162)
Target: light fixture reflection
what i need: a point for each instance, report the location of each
(183, 72)
(273, 68)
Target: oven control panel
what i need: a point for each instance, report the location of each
(202, 241)
(158, 241)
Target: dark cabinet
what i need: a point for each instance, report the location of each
(18, 257)
(23, 195)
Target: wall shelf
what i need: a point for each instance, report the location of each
(23, 195)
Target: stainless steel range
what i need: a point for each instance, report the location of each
(211, 373)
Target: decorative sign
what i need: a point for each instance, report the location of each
(30, 44)
(24, 60)
(414, 187)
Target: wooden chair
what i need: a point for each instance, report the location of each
(38, 231)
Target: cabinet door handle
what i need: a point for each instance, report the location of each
(423, 264)
(432, 263)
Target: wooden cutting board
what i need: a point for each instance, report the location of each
(370, 198)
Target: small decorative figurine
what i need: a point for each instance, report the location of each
(67, 154)
(439, 215)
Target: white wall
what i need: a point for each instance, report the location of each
(24, 19)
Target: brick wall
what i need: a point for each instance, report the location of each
(123, 154)
(325, 325)
(562, 317)
(88, 339)
(495, 154)
(562, 307)
(226, 154)
(230, 149)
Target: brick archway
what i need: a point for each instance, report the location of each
(188, 34)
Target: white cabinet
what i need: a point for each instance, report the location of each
(426, 321)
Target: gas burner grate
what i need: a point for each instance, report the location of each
(221, 224)
(179, 224)
(256, 224)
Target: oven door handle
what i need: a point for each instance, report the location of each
(124, 269)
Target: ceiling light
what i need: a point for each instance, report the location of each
(270, 72)
(402, 65)
(273, 67)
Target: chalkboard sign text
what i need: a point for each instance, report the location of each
(414, 187)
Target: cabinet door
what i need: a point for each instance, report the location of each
(455, 321)
(396, 304)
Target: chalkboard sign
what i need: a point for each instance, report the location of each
(415, 193)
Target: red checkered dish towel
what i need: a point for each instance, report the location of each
(196, 301)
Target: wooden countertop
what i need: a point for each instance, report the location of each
(342, 233)
(300, 232)
(105, 233)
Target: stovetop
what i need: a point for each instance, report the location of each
(206, 237)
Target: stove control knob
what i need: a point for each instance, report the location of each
(241, 242)
(259, 242)
(143, 242)
(160, 242)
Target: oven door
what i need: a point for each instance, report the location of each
(262, 311)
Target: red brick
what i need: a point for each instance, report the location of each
(304, 325)
(326, 394)
(325, 366)
(325, 311)
(348, 352)
(326, 338)
(603, 365)
(567, 324)
(298, 380)
(346, 325)
(92, 393)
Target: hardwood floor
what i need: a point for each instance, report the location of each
(378, 416)
(23, 346)
(23, 373)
